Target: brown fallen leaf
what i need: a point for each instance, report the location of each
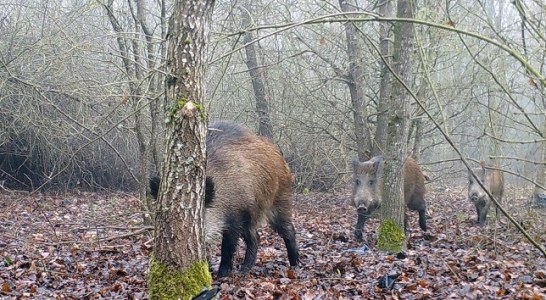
(291, 274)
(5, 287)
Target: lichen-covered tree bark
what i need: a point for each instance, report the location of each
(178, 267)
(385, 85)
(391, 235)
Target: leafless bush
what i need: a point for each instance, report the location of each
(42, 146)
(317, 164)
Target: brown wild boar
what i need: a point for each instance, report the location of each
(493, 180)
(367, 186)
(247, 182)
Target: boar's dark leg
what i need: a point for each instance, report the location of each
(284, 227)
(497, 215)
(482, 214)
(252, 240)
(359, 226)
(417, 203)
(496, 212)
(423, 219)
(230, 237)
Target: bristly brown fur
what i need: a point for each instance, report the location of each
(367, 189)
(248, 181)
(493, 180)
(252, 183)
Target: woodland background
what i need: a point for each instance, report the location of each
(82, 117)
(81, 90)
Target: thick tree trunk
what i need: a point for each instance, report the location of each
(178, 267)
(258, 83)
(391, 229)
(363, 134)
(385, 85)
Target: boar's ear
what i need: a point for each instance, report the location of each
(482, 165)
(377, 165)
(356, 162)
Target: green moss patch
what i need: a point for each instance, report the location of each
(166, 283)
(391, 237)
(179, 105)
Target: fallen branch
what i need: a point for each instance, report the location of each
(106, 239)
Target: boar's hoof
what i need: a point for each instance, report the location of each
(224, 272)
(358, 235)
(244, 269)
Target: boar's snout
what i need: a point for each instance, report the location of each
(362, 210)
(479, 199)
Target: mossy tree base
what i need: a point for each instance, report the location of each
(391, 236)
(166, 283)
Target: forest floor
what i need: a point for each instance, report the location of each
(93, 246)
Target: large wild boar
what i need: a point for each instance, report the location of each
(247, 182)
(493, 180)
(367, 188)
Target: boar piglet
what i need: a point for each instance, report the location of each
(367, 189)
(491, 179)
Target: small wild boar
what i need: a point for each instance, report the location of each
(367, 189)
(493, 180)
(247, 182)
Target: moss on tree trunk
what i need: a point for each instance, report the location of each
(391, 229)
(391, 237)
(166, 283)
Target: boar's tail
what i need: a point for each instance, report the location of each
(154, 186)
(209, 191)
